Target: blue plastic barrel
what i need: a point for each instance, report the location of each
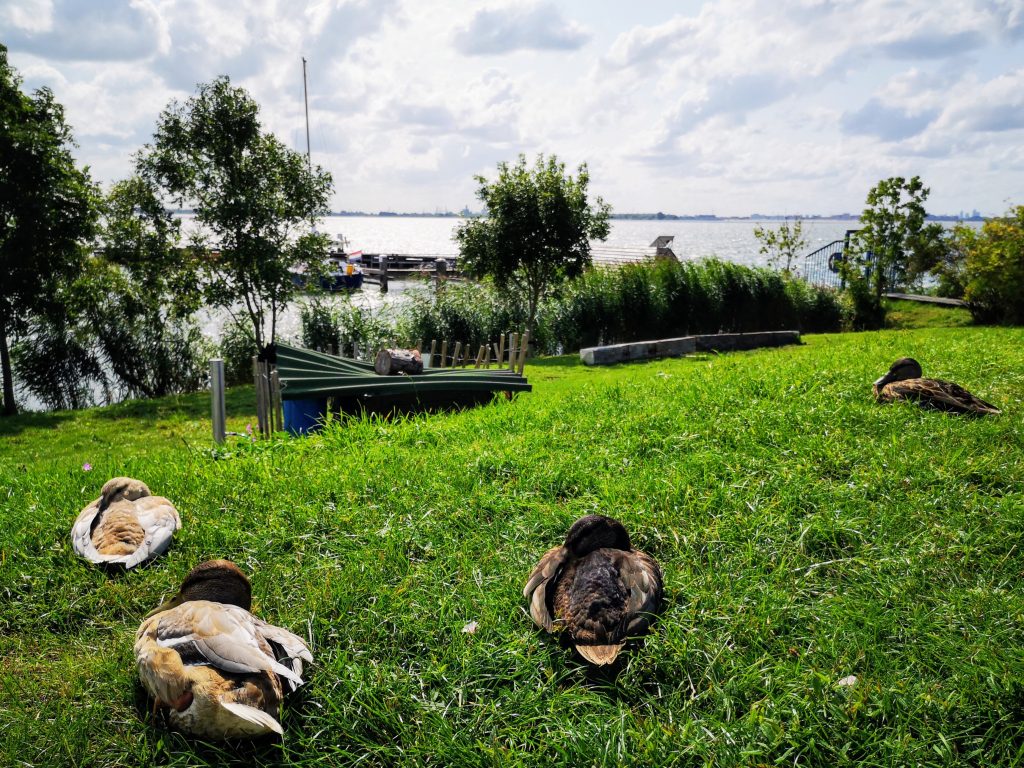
(304, 416)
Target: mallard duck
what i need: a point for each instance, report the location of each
(218, 670)
(596, 588)
(904, 382)
(126, 525)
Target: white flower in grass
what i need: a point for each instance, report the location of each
(847, 682)
(470, 628)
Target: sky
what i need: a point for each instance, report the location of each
(729, 108)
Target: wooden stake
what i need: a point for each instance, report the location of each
(512, 345)
(433, 350)
(444, 354)
(275, 389)
(480, 356)
(523, 347)
(259, 394)
(456, 353)
(501, 349)
(487, 360)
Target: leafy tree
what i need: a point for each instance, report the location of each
(994, 268)
(782, 245)
(254, 199)
(893, 235)
(48, 211)
(140, 297)
(537, 230)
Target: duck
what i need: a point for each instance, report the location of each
(904, 382)
(218, 671)
(596, 589)
(126, 525)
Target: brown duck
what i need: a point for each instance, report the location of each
(904, 382)
(126, 525)
(218, 670)
(596, 588)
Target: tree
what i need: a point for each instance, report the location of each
(782, 245)
(255, 201)
(893, 231)
(48, 209)
(537, 230)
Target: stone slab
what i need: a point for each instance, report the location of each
(685, 345)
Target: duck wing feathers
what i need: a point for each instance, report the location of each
(539, 589)
(225, 636)
(159, 519)
(81, 533)
(642, 577)
(938, 394)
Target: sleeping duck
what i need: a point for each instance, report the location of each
(904, 382)
(596, 588)
(126, 525)
(218, 670)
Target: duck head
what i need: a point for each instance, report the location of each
(219, 581)
(904, 368)
(122, 488)
(596, 532)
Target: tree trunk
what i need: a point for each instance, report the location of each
(10, 408)
(392, 361)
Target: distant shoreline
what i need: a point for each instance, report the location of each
(652, 216)
(709, 217)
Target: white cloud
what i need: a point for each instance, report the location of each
(517, 27)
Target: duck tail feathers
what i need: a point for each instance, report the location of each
(263, 722)
(600, 655)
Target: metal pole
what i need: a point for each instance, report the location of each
(383, 273)
(305, 99)
(217, 399)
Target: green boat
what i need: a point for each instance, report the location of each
(355, 386)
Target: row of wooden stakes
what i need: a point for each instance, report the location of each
(514, 356)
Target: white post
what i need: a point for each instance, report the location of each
(217, 399)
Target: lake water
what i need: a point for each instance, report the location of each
(732, 240)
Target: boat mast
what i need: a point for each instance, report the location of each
(305, 99)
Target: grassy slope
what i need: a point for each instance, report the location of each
(806, 534)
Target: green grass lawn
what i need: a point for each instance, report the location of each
(904, 315)
(806, 535)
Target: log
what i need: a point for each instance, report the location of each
(392, 361)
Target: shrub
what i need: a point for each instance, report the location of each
(237, 346)
(55, 364)
(344, 324)
(994, 267)
(862, 309)
(320, 325)
(473, 313)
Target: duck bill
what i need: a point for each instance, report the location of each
(879, 383)
(166, 605)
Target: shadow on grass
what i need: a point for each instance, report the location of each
(264, 750)
(195, 405)
(557, 361)
(14, 425)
